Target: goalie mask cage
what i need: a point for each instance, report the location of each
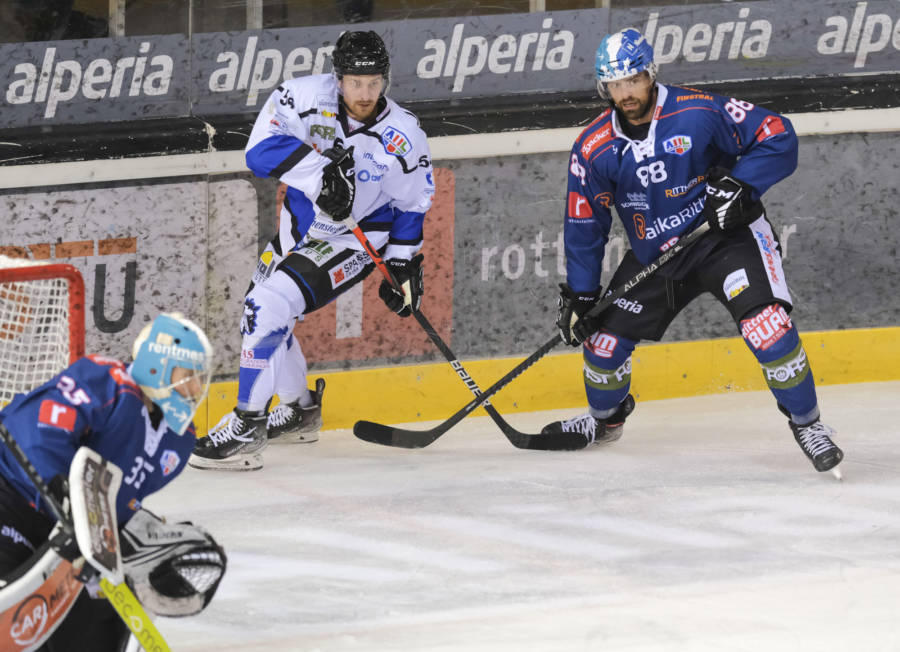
(41, 323)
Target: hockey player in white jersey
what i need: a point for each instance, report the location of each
(343, 148)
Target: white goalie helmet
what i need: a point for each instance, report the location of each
(173, 365)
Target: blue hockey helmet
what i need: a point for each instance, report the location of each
(173, 365)
(620, 55)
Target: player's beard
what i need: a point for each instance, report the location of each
(360, 111)
(637, 109)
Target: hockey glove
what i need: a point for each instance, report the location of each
(173, 569)
(729, 204)
(571, 308)
(408, 274)
(338, 183)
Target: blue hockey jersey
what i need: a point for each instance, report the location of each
(94, 403)
(658, 185)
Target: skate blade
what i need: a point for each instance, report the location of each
(242, 462)
(295, 438)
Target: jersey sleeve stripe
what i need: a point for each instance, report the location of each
(275, 155)
(291, 160)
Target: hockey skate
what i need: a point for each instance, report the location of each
(289, 423)
(815, 441)
(233, 445)
(597, 431)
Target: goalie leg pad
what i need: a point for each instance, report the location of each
(173, 569)
(774, 340)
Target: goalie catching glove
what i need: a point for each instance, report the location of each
(571, 307)
(409, 276)
(338, 183)
(729, 202)
(173, 569)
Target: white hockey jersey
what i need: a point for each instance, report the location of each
(394, 177)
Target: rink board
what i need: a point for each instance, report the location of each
(406, 393)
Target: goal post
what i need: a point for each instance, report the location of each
(41, 322)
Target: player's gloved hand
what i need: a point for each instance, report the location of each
(571, 308)
(338, 183)
(729, 204)
(408, 274)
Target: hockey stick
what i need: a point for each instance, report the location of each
(564, 441)
(114, 587)
(390, 436)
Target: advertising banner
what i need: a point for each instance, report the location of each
(94, 81)
(442, 59)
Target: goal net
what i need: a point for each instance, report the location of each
(41, 323)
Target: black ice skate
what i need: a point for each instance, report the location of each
(289, 423)
(234, 444)
(815, 440)
(597, 431)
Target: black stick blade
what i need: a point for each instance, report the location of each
(557, 441)
(377, 433)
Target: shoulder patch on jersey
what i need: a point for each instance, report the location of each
(56, 415)
(596, 121)
(395, 142)
(602, 136)
(771, 126)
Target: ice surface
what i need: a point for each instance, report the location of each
(703, 528)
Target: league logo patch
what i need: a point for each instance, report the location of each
(395, 142)
(168, 461)
(677, 145)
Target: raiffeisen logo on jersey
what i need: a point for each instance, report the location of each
(677, 145)
(395, 142)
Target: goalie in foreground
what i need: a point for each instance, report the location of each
(139, 418)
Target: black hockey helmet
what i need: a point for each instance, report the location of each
(360, 53)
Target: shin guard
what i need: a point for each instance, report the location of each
(607, 371)
(774, 340)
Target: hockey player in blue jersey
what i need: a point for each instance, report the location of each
(343, 148)
(139, 418)
(666, 159)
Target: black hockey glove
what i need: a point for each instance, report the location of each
(408, 274)
(571, 308)
(338, 183)
(729, 204)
